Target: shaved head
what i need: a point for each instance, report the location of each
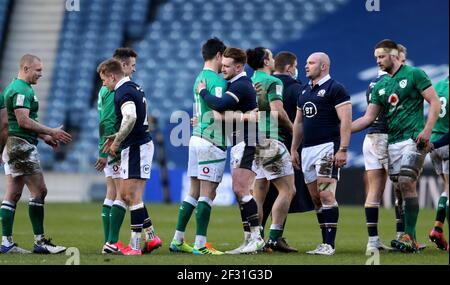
(323, 58)
(317, 66)
(30, 68)
(28, 60)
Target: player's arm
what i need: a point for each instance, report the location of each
(25, 122)
(297, 137)
(129, 117)
(365, 121)
(237, 116)
(219, 104)
(276, 106)
(344, 112)
(431, 97)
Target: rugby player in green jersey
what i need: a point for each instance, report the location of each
(400, 96)
(22, 158)
(114, 208)
(207, 156)
(439, 158)
(273, 161)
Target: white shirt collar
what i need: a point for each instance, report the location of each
(122, 81)
(243, 73)
(322, 81)
(381, 73)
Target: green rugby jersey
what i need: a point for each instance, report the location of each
(107, 116)
(274, 91)
(441, 126)
(400, 95)
(20, 94)
(216, 86)
(2, 101)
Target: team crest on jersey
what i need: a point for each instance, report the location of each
(321, 93)
(393, 99)
(403, 83)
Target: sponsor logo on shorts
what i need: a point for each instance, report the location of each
(205, 170)
(115, 168)
(146, 168)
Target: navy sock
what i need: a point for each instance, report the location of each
(331, 220)
(372, 220)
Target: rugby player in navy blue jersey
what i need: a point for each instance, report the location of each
(323, 125)
(240, 97)
(135, 141)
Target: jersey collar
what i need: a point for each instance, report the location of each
(321, 81)
(243, 73)
(121, 82)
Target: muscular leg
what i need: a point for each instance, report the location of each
(107, 204)
(186, 209)
(38, 191)
(312, 189)
(14, 188)
(133, 189)
(286, 191)
(376, 181)
(259, 193)
(327, 188)
(203, 213)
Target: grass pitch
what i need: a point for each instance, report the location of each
(79, 226)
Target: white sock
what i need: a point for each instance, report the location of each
(135, 241)
(7, 240)
(38, 238)
(373, 239)
(179, 236)
(200, 241)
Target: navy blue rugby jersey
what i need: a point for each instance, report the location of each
(318, 104)
(131, 92)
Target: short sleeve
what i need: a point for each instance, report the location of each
(21, 101)
(375, 96)
(275, 91)
(126, 97)
(340, 96)
(421, 79)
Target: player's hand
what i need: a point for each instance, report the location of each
(100, 163)
(259, 89)
(194, 121)
(295, 157)
(200, 86)
(423, 138)
(340, 159)
(60, 135)
(109, 146)
(51, 141)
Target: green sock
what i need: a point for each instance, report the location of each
(7, 214)
(274, 234)
(411, 213)
(184, 215)
(448, 219)
(440, 212)
(36, 213)
(202, 216)
(106, 211)
(116, 218)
